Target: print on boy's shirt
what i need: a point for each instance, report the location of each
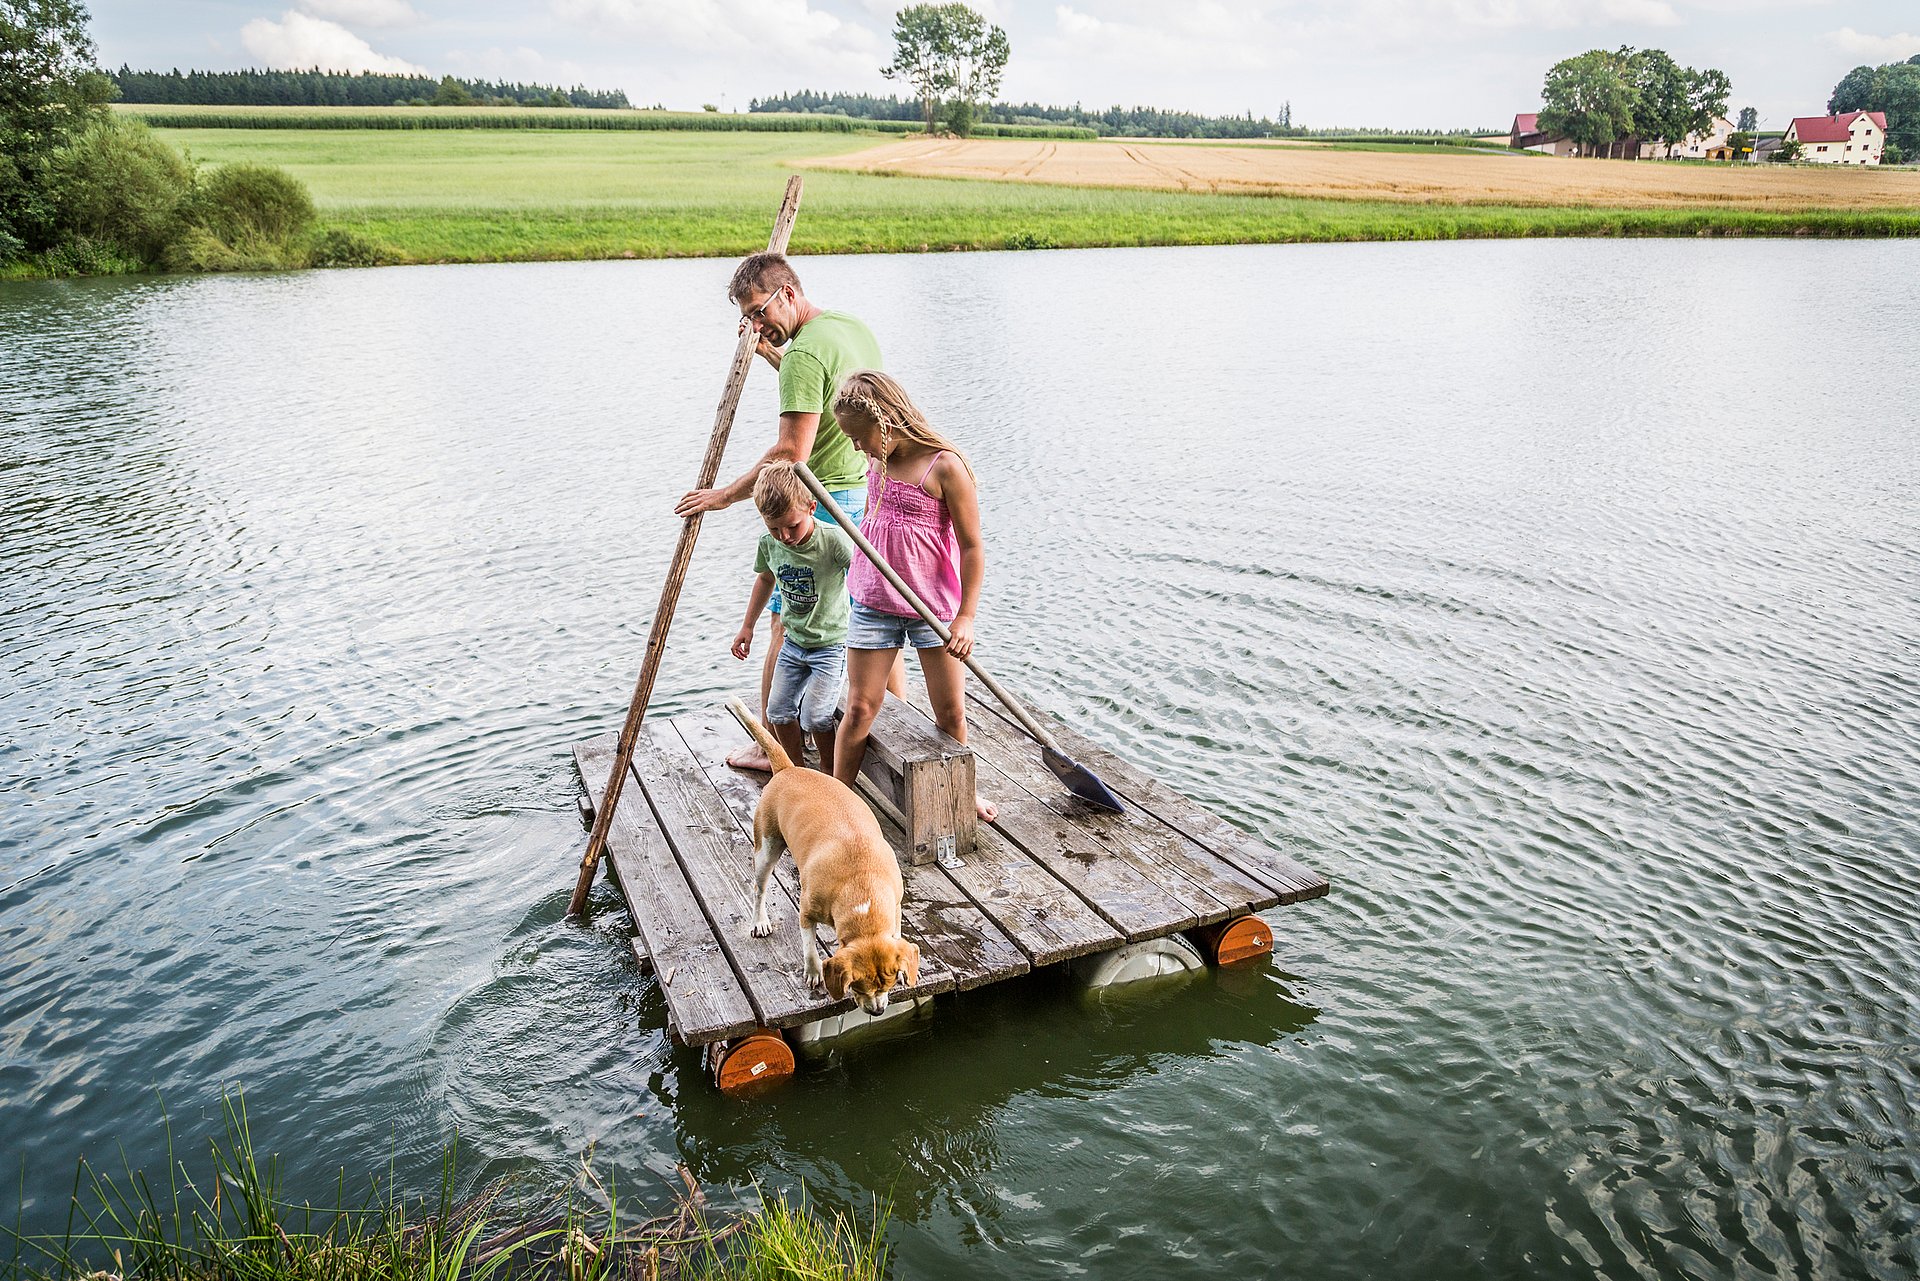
(798, 594)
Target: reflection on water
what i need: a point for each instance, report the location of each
(1490, 579)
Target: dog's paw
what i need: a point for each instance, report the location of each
(762, 928)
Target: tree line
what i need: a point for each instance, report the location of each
(1113, 122)
(1605, 97)
(316, 88)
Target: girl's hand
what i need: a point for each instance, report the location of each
(743, 644)
(961, 630)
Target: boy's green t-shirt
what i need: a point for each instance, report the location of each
(812, 579)
(827, 349)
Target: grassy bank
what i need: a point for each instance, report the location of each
(230, 1222)
(486, 196)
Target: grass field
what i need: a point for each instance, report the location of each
(515, 195)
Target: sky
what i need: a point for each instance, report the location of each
(1405, 64)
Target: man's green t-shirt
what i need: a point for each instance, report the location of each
(827, 349)
(812, 579)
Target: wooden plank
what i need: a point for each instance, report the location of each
(705, 1002)
(960, 947)
(1040, 913)
(1292, 881)
(1121, 893)
(1209, 889)
(717, 858)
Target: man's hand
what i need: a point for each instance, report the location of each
(764, 349)
(743, 643)
(702, 500)
(961, 630)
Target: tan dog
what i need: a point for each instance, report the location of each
(849, 878)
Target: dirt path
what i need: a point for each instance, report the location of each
(1495, 178)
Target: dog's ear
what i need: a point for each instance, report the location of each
(908, 957)
(838, 971)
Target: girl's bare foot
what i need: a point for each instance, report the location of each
(751, 758)
(985, 808)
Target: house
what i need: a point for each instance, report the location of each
(1857, 138)
(1766, 149)
(1526, 136)
(1714, 144)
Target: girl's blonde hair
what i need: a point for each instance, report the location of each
(873, 397)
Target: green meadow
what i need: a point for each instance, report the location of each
(486, 195)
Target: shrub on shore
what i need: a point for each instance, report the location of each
(235, 1225)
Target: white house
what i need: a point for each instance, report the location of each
(1856, 138)
(1714, 144)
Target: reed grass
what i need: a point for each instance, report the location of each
(234, 1224)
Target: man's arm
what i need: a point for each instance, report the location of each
(794, 444)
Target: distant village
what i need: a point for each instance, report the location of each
(1847, 138)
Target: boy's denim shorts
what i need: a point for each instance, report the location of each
(806, 686)
(872, 629)
(853, 502)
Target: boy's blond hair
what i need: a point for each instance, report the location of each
(778, 490)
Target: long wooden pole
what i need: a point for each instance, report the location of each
(676, 574)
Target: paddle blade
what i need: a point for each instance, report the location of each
(1080, 780)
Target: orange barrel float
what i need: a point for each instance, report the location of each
(747, 1063)
(1240, 939)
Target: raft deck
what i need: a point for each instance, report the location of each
(1050, 879)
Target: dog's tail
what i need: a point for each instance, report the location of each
(768, 744)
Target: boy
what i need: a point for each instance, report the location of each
(808, 559)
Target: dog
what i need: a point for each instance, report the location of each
(849, 878)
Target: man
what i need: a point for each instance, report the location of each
(822, 347)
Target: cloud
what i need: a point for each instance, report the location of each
(298, 41)
(1875, 48)
(364, 13)
(772, 30)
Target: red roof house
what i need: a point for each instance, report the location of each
(1856, 138)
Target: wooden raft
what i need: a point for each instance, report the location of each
(1050, 879)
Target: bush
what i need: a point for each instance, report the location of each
(80, 256)
(12, 248)
(338, 247)
(960, 117)
(1893, 155)
(122, 189)
(258, 202)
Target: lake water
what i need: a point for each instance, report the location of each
(1559, 600)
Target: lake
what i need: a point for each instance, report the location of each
(1559, 600)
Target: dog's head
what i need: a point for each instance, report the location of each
(867, 970)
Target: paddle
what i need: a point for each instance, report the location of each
(1077, 778)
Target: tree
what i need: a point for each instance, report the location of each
(920, 55)
(1674, 102)
(1590, 99)
(1894, 89)
(49, 92)
(452, 93)
(1749, 119)
(977, 54)
(939, 47)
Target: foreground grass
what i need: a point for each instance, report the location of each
(235, 1226)
(501, 196)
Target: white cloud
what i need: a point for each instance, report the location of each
(1875, 48)
(769, 30)
(364, 13)
(299, 41)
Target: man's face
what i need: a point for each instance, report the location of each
(794, 526)
(769, 312)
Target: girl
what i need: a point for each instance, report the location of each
(923, 516)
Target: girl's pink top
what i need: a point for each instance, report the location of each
(914, 531)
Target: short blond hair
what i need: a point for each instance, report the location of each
(778, 490)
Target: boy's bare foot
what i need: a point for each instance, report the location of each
(985, 808)
(751, 758)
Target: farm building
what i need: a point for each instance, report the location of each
(1856, 138)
